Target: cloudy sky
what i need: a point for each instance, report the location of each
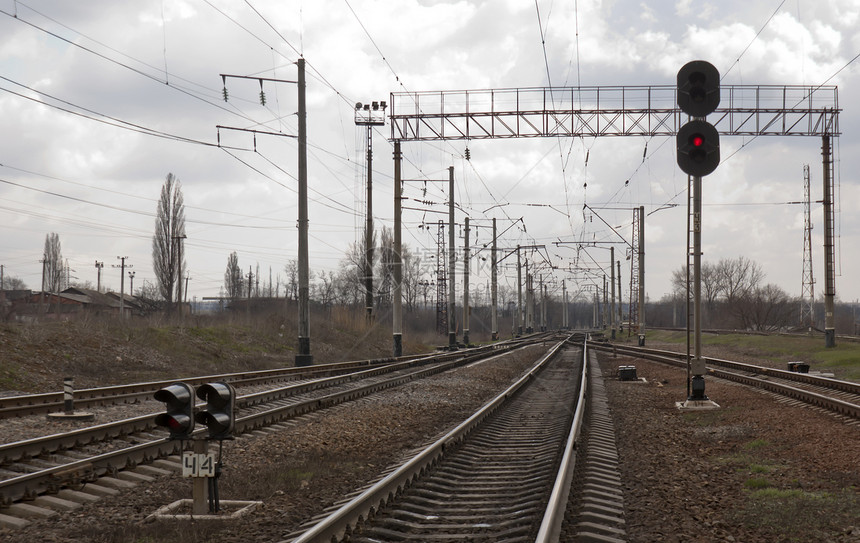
(100, 100)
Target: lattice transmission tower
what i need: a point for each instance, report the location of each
(441, 281)
(633, 312)
(807, 299)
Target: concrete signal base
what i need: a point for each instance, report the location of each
(697, 405)
(171, 511)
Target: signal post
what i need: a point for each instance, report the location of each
(698, 154)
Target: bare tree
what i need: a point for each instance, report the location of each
(53, 263)
(167, 261)
(737, 277)
(234, 282)
(411, 277)
(13, 283)
(292, 283)
(766, 309)
(386, 268)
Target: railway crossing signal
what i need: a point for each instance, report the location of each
(179, 417)
(217, 414)
(698, 142)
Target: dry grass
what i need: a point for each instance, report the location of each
(98, 351)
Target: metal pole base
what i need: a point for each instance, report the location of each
(495, 336)
(398, 344)
(466, 338)
(304, 356)
(452, 342)
(697, 389)
(830, 337)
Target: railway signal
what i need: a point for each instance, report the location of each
(698, 142)
(698, 88)
(179, 417)
(217, 414)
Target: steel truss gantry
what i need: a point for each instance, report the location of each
(747, 110)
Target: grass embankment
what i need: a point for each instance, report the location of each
(843, 359)
(35, 357)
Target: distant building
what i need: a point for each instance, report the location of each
(70, 303)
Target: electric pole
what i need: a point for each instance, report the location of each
(303, 356)
(122, 268)
(368, 116)
(466, 285)
(99, 266)
(494, 288)
(452, 260)
(131, 283)
(397, 309)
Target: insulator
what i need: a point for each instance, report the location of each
(262, 98)
(224, 93)
(468, 154)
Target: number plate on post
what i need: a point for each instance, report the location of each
(198, 465)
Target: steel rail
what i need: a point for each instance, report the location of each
(74, 473)
(850, 387)
(26, 404)
(550, 527)
(830, 403)
(12, 452)
(344, 519)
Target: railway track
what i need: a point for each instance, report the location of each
(51, 402)
(502, 475)
(837, 396)
(45, 465)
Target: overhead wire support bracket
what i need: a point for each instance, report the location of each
(645, 110)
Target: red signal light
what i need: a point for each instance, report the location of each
(697, 140)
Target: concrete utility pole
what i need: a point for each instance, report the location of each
(180, 239)
(620, 304)
(466, 308)
(563, 305)
(494, 288)
(122, 268)
(530, 301)
(604, 322)
(829, 260)
(397, 309)
(452, 260)
(99, 266)
(641, 275)
(131, 282)
(520, 318)
(543, 306)
(612, 324)
(304, 356)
